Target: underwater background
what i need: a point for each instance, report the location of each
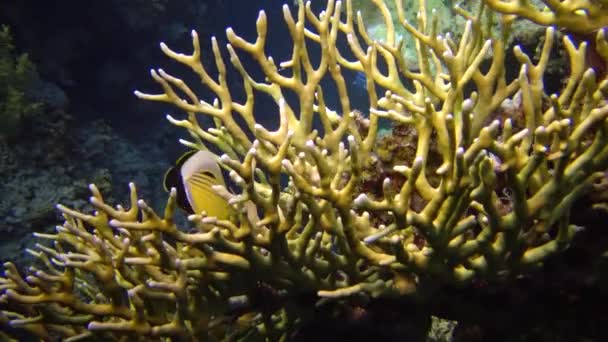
(86, 61)
(70, 119)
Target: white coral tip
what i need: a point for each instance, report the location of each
(361, 200)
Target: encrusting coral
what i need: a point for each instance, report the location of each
(496, 203)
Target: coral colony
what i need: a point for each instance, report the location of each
(481, 196)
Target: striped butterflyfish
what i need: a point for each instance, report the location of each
(193, 176)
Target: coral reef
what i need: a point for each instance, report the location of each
(56, 164)
(485, 193)
(376, 28)
(17, 73)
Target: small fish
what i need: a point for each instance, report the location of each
(193, 176)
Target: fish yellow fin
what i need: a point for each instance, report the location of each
(200, 173)
(203, 197)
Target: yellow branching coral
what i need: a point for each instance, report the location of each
(581, 16)
(468, 226)
(497, 203)
(113, 275)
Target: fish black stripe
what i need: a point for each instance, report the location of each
(208, 174)
(202, 182)
(203, 178)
